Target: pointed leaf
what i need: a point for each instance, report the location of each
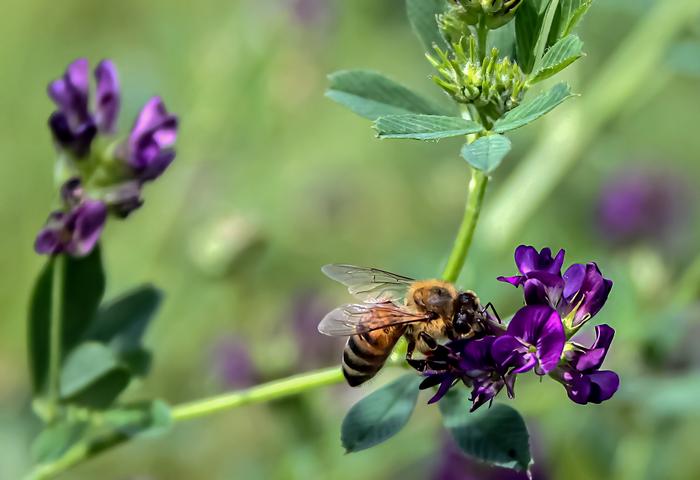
(496, 435)
(39, 327)
(83, 287)
(486, 153)
(570, 14)
(372, 95)
(562, 54)
(381, 414)
(424, 127)
(543, 38)
(533, 109)
(528, 21)
(93, 376)
(56, 439)
(422, 14)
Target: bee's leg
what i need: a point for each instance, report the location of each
(493, 309)
(410, 349)
(429, 341)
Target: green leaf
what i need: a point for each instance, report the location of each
(83, 287)
(545, 29)
(39, 327)
(422, 16)
(93, 376)
(533, 109)
(372, 95)
(381, 414)
(562, 54)
(570, 14)
(152, 417)
(528, 22)
(56, 439)
(424, 127)
(486, 153)
(496, 435)
(125, 319)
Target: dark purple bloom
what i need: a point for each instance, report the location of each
(75, 232)
(74, 126)
(471, 362)
(581, 374)
(577, 295)
(149, 149)
(234, 364)
(535, 339)
(107, 108)
(643, 204)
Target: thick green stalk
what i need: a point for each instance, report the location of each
(55, 334)
(477, 189)
(260, 393)
(565, 140)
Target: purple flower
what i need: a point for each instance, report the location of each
(149, 149)
(75, 232)
(234, 364)
(581, 375)
(643, 204)
(535, 339)
(577, 295)
(73, 125)
(470, 361)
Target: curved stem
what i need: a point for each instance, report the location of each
(477, 189)
(260, 393)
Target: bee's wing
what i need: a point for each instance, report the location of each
(370, 285)
(354, 319)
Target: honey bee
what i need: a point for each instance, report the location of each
(424, 311)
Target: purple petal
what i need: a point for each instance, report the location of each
(78, 139)
(48, 242)
(153, 134)
(508, 351)
(543, 288)
(540, 326)
(476, 356)
(516, 281)
(108, 100)
(86, 223)
(586, 283)
(592, 358)
(604, 384)
(527, 259)
(70, 93)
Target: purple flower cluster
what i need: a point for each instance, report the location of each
(537, 338)
(105, 176)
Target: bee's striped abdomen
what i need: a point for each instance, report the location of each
(365, 354)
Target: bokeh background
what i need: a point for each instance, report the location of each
(272, 181)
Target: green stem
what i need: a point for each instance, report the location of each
(482, 32)
(477, 189)
(260, 393)
(55, 335)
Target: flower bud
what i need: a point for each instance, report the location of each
(462, 13)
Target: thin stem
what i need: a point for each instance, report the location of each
(259, 393)
(55, 333)
(482, 32)
(477, 189)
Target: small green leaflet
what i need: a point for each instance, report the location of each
(372, 95)
(422, 16)
(381, 414)
(534, 108)
(528, 21)
(496, 435)
(562, 54)
(571, 12)
(486, 153)
(424, 127)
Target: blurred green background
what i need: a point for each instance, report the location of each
(272, 181)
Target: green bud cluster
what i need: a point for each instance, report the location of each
(494, 85)
(462, 13)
